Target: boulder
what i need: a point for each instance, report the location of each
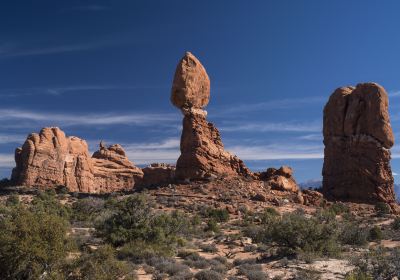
(202, 152)
(358, 137)
(279, 179)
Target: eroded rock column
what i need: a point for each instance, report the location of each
(358, 137)
(202, 151)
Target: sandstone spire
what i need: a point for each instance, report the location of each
(202, 152)
(358, 138)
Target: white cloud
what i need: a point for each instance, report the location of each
(7, 161)
(11, 116)
(269, 105)
(277, 151)
(278, 126)
(11, 138)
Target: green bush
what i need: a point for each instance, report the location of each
(13, 200)
(212, 226)
(353, 234)
(102, 264)
(375, 234)
(208, 275)
(133, 221)
(382, 209)
(218, 214)
(339, 208)
(87, 209)
(396, 223)
(294, 233)
(47, 202)
(32, 242)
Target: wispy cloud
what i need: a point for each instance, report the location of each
(11, 138)
(277, 151)
(7, 161)
(10, 50)
(273, 127)
(311, 137)
(10, 116)
(145, 153)
(60, 90)
(394, 93)
(270, 105)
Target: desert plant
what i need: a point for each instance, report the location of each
(375, 234)
(382, 209)
(208, 275)
(396, 223)
(32, 242)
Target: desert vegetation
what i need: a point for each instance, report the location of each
(60, 235)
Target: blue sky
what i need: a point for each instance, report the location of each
(103, 70)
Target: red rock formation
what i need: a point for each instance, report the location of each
(358, 138)
(202, 152)
(279, 179)
(113, 171)
(157, 174)
(50, 158)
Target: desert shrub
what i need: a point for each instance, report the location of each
(32, 242)
(294, 233)
(102, 264)
(87, 209)
(252, 272)
(375, 234)
(193, 259)
(217, 214)
(212, 226)
(378, 264)
(382, 209)
(138, 251)
(170, 267)
(396, 223)
(12, 200)
(307, 274)
(353, 234)
(357, 275)
(61, 189)
(208, 275)
(209, 248)
(339, 208)
(47, 202)
(133, 219)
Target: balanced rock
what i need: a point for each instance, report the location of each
(358, 137)
(191, 85)
(50, 158)
(202, 152)
(279, 179)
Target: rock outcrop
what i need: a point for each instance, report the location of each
(358, 138)
(157, 174)
(113, 171)
(50, 158)
(279, 179)
(202, 152)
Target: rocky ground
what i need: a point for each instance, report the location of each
(227, 249)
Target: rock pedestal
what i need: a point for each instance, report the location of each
(358, 138)
(202, 152)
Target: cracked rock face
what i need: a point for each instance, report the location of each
(202, 152)
(50, 159)
(358, 137)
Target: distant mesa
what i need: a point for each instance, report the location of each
(358, 137)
